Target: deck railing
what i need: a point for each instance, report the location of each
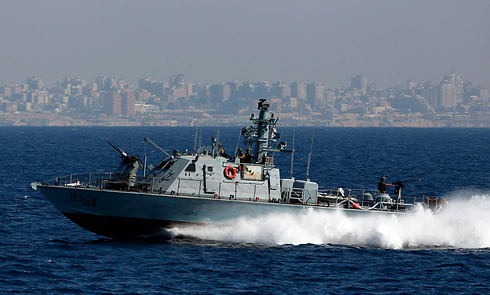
(370, 198)
(335, 196)
(86, 179)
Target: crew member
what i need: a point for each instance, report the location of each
(221, 152)
(240, 155)
(249, 158)
(382, 186)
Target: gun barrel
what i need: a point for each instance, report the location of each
(406, 181)
(117, 149)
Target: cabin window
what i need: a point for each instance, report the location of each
(191, 168)
(210, 168)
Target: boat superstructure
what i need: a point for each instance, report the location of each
(204, 187)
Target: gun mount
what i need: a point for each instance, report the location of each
(125, 174)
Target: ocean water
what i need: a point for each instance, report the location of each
(42, 252)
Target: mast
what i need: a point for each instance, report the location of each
(264, 122)
(260, 136)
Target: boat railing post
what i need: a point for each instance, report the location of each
(152, 183)
(71, 177)
(255, 189)
(200, 185)
(219, 191)
(178, 187)
(89, 177)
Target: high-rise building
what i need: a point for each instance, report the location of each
(219, 92)
(448, 96)
(262, 89)
(177, 81)
(128, 102)
(449, 90)
(246, 90)
(109, 84)
(330, 97)
(454, 79)
(34, 83)
(359, 82)
(298, 90)
(315, 94)
(411, 85)
(158, 88)
(112, 103)
(431, 94)
(282, 90)
(144, 83)
(6, 91)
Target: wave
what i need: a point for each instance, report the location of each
(462, 225)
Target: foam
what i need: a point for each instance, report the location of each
(463, 225)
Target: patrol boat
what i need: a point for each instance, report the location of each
(204, 187)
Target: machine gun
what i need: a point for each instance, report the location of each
(126, 171)
(126, 159)
(399, 185)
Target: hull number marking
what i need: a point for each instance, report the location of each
(86, 199)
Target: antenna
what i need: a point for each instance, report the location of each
(309, 157)
(292, 153)
(238, 141)
(200, 129)
(219, 118)
(195, 136)
(144, 158)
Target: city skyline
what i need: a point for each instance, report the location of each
(212, 41)
(110, 100)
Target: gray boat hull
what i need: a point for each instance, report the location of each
(123, 214)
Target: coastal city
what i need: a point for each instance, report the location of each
(110, 101)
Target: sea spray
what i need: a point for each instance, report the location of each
(463, 225)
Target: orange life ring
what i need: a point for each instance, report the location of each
(230, 172)
(356, 206)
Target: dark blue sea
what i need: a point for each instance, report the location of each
(42, 252)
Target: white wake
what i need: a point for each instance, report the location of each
(465, 224)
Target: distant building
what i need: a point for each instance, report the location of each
(282, 90)
(112, 103)
(448, 96)
(262, 90)
(411, 85)
(158, 88)
(219, 92)
(246, 90)
(360, 83)
(109, 84)
(34, 83)
(298, 90)
(128, 102)
(431, 94)
(144, 83)
(315, 94)
(449, 91)
(330, 97)
(177, 81)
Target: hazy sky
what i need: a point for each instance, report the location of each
(389, 42)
